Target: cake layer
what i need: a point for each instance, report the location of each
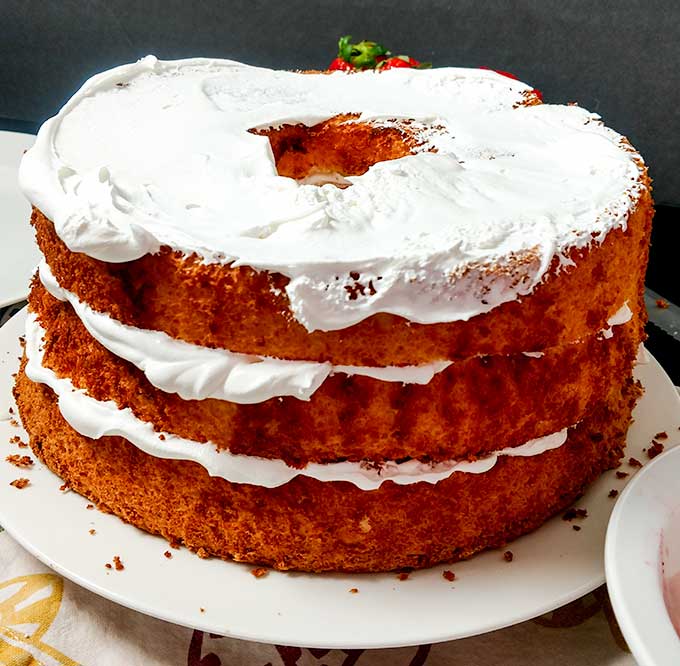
(457, 415)
(247, 311)
(315, 526)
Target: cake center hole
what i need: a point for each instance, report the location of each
(331, 151)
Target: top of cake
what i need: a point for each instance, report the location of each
(158, 154)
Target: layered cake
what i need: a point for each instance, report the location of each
(331, 321)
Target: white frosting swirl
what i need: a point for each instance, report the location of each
(94, 418)
(158, 153)
(195, 372)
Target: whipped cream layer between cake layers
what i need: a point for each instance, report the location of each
(195, 372)
(158, 154)
(94, 418)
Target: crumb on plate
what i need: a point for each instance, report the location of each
(19, 461)
(655, 449)
(571, 514)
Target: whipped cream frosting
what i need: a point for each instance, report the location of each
(195, 372)
(94, 418)
(156, 153)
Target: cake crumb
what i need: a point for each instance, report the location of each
(661, 435)
(19, 483)
(449, 575)
(19, 461)
(22, 445)
(571, 514)
(613, 493)
(655, 449)
(64, 487)
(108, 565)
(161, 437)
(508, 556)
(259, 572)
(661, 303)
(168, 554)
(634, 462)
(89, 507)
(202, 609)
(203, 553)
(93, 532)
(622, 475)
(576, 528)
(118, 563)
(14, 422)
(353, 590)
(403, 575)
(15, 439)
(11, 410)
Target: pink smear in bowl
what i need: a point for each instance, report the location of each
(670, 568)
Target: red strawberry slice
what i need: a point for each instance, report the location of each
(340, 64)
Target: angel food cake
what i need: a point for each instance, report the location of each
(348, 321)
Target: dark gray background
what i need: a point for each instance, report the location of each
(618, 58)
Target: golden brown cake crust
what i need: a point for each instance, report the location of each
(314, 526)
(247, 311)
(473, 407)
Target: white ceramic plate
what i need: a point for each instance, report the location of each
(643, 530)
(551, 566)
(18, 252)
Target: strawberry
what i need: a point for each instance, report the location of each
(369, 55)
(391, 63)
(403, 61)
(340, 64)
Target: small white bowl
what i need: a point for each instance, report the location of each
(642, 552)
